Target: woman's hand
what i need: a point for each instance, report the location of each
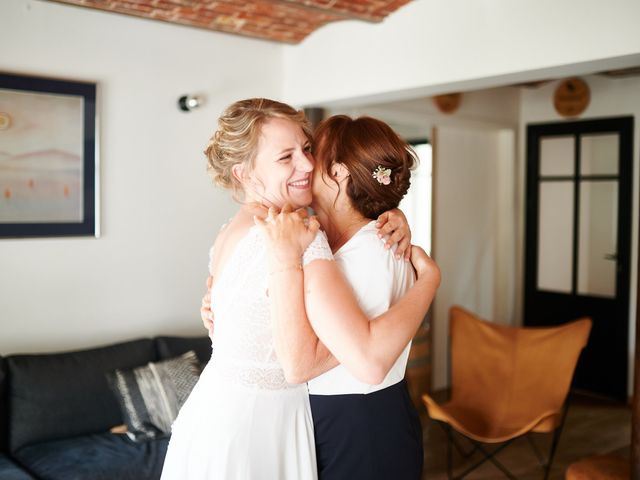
(394, 224)
(205, 309)
(424, 265)
(288, 234)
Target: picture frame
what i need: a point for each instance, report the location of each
(49, 182)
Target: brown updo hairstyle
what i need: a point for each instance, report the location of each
(361, 145)
(236, 139)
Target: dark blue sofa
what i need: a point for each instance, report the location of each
(56, 411)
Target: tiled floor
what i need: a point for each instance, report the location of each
(592, 426)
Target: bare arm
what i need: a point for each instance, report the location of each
(367, 349)
(394, 225)
(299, 351)
(302, 355)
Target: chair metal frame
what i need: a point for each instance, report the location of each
(489, 456)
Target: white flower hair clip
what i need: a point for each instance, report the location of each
(382, 175)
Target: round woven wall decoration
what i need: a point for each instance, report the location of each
(5, 120)
(448, 103)
(571, 97)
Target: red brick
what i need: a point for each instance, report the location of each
(279, 20)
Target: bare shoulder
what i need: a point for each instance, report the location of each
(226, 240)
(425, 267)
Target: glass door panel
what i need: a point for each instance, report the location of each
(555, 236)
(597, 245)
(599, 154)
(557, 157)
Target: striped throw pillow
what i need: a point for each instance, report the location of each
(151, 396)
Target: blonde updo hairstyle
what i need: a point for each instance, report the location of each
(236, 139)
(363, 145)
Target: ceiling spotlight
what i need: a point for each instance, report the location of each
(186, 103)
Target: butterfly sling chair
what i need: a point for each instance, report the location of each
(506, 382)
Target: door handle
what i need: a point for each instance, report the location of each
(611, 256)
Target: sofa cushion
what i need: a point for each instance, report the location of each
(4, 408)
(103, 456)
(53, 396)
(169, 347)
(11, 471)
(150, 396)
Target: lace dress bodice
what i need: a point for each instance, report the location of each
(243, 346)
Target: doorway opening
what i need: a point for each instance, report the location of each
(417, 203)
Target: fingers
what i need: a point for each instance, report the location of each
(208, 325)
(394, 238)
(407, 253)
(401, 249)
(206, 314)
(387, 229)
(398, 214)
(382, 220)
(254, 205)
(271, 215)
(392, 221)
(402, 242)
(205, 305)
(302, 212)
(259, 222)
(314, 225)
(209, 282)
(207, 318)
(258, 210)
(288, 214)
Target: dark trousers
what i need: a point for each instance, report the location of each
(374, 436)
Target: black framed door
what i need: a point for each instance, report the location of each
(578, 236)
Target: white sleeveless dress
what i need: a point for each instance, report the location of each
(243, 420)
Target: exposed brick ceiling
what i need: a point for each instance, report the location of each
(287, 21)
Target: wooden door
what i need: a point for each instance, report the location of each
(578, 229)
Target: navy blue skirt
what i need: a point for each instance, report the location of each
(373, 436)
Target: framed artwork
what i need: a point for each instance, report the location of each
(48, 157)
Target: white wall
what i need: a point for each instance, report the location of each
(415, 118)
(432, 46)
(609, 97)
(145, 275)
(473, 230)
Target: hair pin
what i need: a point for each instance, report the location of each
(382, 175)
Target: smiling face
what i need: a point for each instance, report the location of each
(282, 167)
